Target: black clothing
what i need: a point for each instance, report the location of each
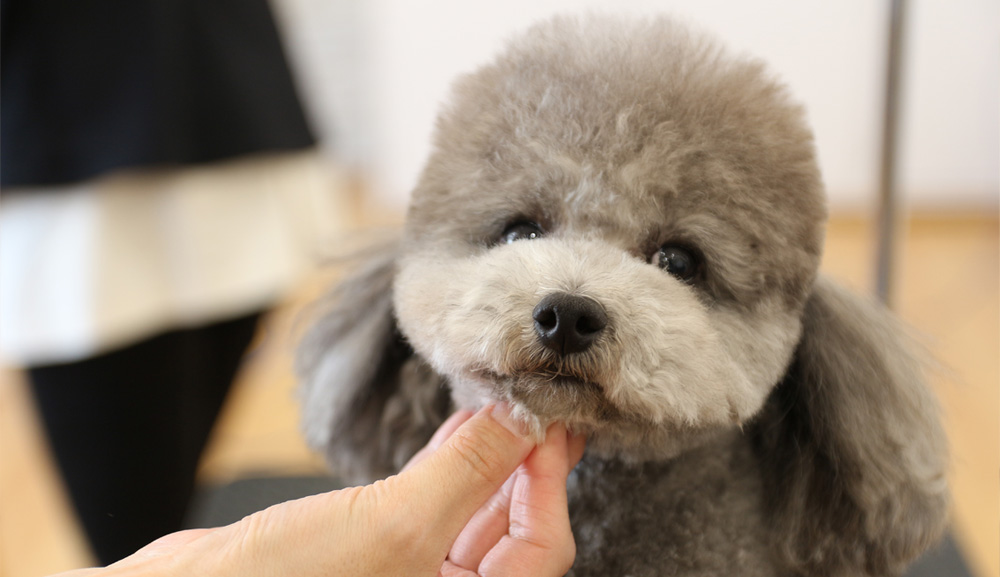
(127, 428)
(97, 85)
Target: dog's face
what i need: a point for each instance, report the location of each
(620, 229)
(617, 235)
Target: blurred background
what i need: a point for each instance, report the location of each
(371, 76)
(380, 69)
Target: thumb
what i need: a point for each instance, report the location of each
(450, 485)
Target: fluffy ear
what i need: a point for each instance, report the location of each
(853, 453)
(368, 402)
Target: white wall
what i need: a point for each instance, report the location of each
(375, 72)
(950, 133)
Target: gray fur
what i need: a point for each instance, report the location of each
(368, 403)
(755, 421)
(867, 465)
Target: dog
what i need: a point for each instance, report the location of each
(619, 228)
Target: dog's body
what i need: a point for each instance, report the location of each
(620, 229)
(687, 516)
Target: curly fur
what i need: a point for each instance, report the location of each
(754, 420)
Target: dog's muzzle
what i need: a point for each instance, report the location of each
(568, 323)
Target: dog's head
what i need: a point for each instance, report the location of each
(620, 228)
(616, 235)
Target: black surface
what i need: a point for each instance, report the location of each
(221, 505)
(216, 506)
(943, 561)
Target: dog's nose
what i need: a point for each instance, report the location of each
(568, 323)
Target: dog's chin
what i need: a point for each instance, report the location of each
(550, 397)
(540, 399)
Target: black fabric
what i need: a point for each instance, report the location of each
(89, 87)
(127, 428)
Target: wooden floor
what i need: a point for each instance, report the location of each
(947, 288)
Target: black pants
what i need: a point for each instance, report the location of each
(127, 428)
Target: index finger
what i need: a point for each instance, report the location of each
(451, 484)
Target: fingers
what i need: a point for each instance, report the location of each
(513, 557)
(531, 507)
(485, 529)
(539, 539)
(444, 431)
(457, 479)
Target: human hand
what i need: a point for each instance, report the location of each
(523, 528)
(480, 499)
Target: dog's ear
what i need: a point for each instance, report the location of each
(853, 453)
(368, 402)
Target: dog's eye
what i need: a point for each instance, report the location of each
(679, 261)
(521, 230)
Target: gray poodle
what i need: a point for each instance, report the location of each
(620, 228)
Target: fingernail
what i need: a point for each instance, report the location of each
(501, 413)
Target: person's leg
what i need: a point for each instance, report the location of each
(127, 428)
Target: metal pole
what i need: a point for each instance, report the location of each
(888, 196)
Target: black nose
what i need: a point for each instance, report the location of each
(567, 323)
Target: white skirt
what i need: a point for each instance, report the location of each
(108, 262)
